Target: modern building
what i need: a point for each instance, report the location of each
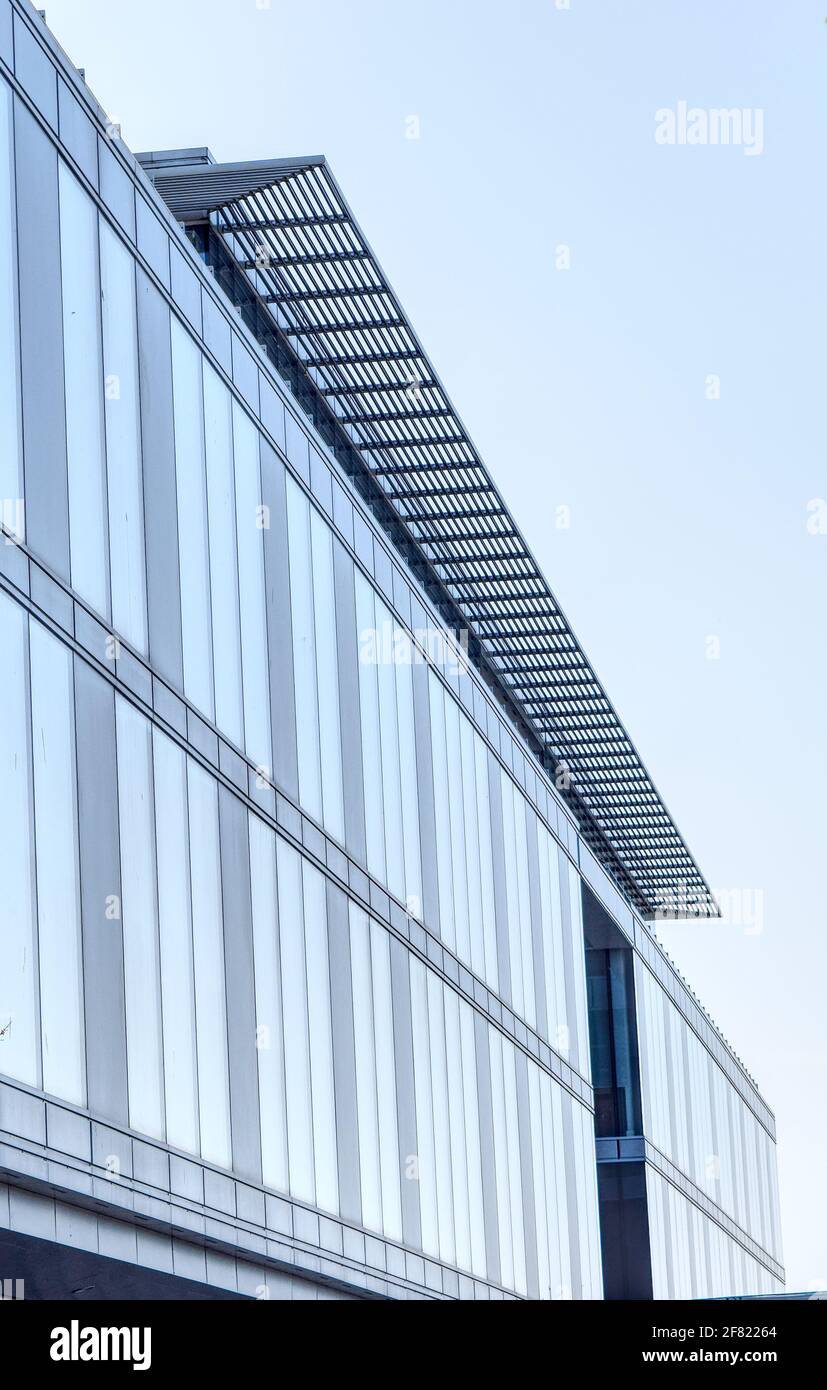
(327, 952)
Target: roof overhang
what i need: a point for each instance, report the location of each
(287, 224)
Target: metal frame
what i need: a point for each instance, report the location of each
(287, 225)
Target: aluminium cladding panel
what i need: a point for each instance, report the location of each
(344, 1055)
(349, 706)
(240, 986)
(160, 489)
(100, 878)
(279, 622)
(41, 343)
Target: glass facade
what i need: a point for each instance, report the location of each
(692, 1257)
(700, 1123)
(286, 897)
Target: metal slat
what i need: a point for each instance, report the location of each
(315, 270)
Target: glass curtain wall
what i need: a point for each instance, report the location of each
(693, 1114)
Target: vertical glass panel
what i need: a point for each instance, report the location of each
(442, 813)
(553, 942)
(473, 1139)
(140, 927)
(269, 1018)
(327, 675)
(512, 1120)
(407, 770)
(578, 952)
(553, 1136)
(304, 649)
(459, 1158)
(391, 785)
(11, 471)
(524, 900)
(386, 1082)
(18, 978)
(193, 540)
(539, 1178)
(455, 803)
(296, 1035)
(581, 1195)
(442, 1131)
(366, 1079)
(555, 1189)
(58, 906)
(208, 954)
(226, 626)
(472, 848)
(426, 1163)
(84, 405)
(123, 439)
(501, 1158)
(515, 950)
(321, 1038)
(369, 710)
(486, 863)
(177, 971)
(249, 520)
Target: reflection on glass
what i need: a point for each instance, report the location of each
(218, 441)
(250, 520)
(208, 957)
(321, 1038)
(296, 1036)
(371, 742)
(177, 969)
(140, 927)
(327, 677)
(366, 1081)
(84, 397)
(269, 1020)
(304, 650)
(58, 907)
(11, 472)
(193, 540)
(18, 981)
(123, 439)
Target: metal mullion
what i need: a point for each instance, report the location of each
(289, 191)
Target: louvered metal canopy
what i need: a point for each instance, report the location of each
(289, 227)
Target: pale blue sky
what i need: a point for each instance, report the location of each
(587, 387)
